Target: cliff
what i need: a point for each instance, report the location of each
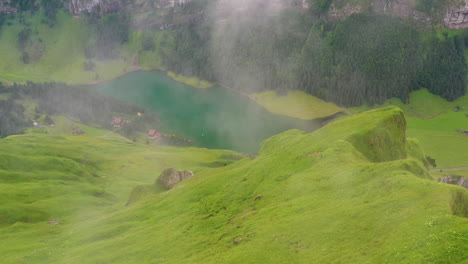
(77, 7)
(456, 16)
(400, 8)
(451, 14)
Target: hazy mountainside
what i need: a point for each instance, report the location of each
(292, 203)
(451, 13)
(357, 190)
(365, 57)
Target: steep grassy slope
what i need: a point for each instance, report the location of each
(355, 191)
(433, 122)
(73, 178)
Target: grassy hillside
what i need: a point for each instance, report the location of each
(355, 191)
(433, 122)
(58, 53)
(71, 179)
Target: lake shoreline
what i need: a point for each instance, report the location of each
(248, 96)
(214, 118)
(189, 82)
(141, 69)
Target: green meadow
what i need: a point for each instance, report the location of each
(58, 52)
(291, 204)
(433, 121)
(296, 104)
(359, 190)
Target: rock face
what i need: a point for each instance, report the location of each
(77, 7)
(5, 7)
(457, 16)
(170, 177)
(160, 4)
(344, 11)
(455, 180)
(397, 8)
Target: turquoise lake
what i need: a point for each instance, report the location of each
(212, 118)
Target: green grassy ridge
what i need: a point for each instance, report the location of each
(323, 197)
(39, 173)
(437, 135)
(48, 176)
(372, 212)
(381, 138)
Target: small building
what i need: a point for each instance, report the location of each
(153, 134)
(117, 122)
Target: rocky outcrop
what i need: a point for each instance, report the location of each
(454, 16)
(77, 7)
(455, 180)
(170, 177)
(397, 8)
(161, 4)
(457, 16)
(5, 7)
(344, 11)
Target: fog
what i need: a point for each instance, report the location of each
(232, 21)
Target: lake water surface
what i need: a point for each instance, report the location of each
(212, 118)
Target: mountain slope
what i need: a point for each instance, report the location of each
(355, 191)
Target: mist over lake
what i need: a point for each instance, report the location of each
(212, 118)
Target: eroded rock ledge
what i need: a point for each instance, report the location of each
(170, 177)
(457, 16)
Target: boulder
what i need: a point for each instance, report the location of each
(455, 180)
(170, 177)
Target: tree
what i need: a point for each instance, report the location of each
(445, 68)
(23, 38)
(50, 8)
(147, 43)
(111, 31)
